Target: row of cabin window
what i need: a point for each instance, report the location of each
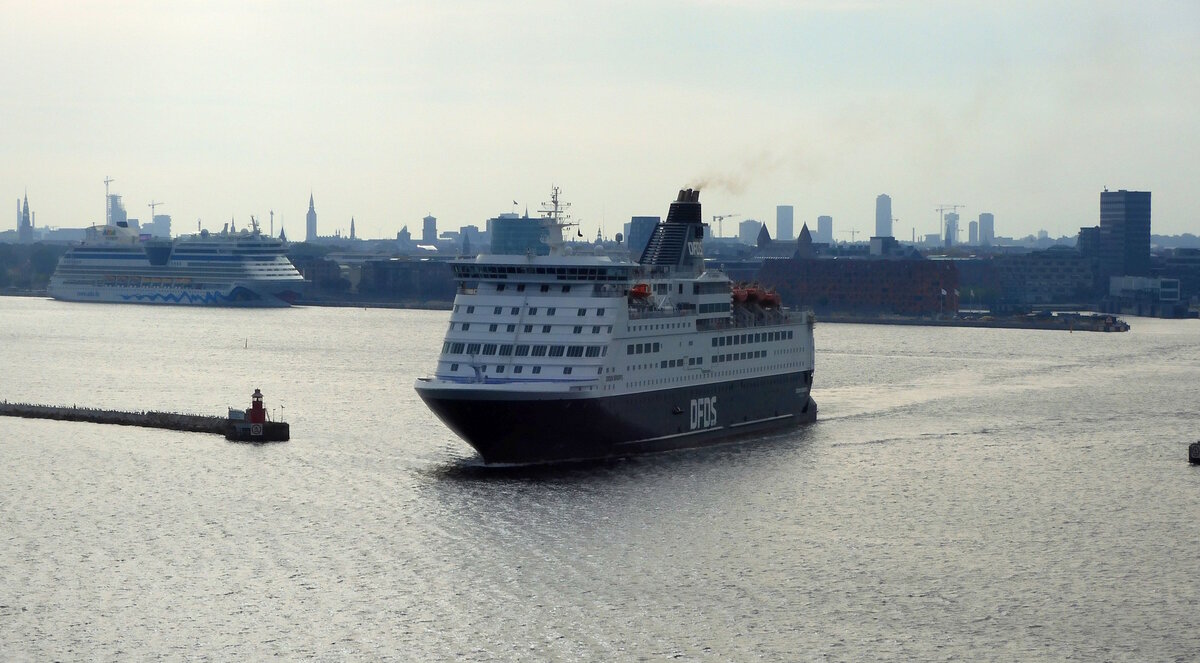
(578, 329)
(511, 350)
(661, 325)
(597, 289)
(536, 370)
(737, 356)
(485, 271)
(711, 288)
(641, 348)
(738, 339)
(533, 310)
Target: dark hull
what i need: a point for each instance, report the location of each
(510, 429)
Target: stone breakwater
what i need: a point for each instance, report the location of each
(148, 418)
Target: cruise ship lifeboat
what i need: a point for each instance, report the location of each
(771, 299)
(640, 291)
(739, 294)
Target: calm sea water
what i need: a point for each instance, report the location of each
(965, 495)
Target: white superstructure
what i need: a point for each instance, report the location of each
(113, 264)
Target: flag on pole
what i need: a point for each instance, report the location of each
(943, 292)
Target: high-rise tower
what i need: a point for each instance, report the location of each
(987, 229)
(311, 221)
(883, 215)
(824, 230)
(783, 222)
(951, 237)
(1124, 234)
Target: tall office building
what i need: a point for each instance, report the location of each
(824, 230)
(883, 215)
(1089, 242)
(429, 230)
(783, 222)
(311, 221)
(116, 211)
(159, 226)
(1124, 233)
(973, 233)
(513, 234)
(987, 229)
(951, 229)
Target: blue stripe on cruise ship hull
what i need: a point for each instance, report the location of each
(506, 428)
(239, 296)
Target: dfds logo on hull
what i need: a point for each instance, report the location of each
(704, 412)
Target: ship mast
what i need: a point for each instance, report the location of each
(555, 218)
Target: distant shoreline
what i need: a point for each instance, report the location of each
(342, 303)
(1086, 322)
(349, 303)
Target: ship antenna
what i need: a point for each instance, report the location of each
(555, 213)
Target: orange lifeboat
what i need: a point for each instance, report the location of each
(771, 298)
(739, 293)
(640, 291)
(754, 293)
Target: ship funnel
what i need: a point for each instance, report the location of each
(677, 242)
(686, 208)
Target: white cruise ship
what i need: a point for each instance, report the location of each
(569, 357)
(114, 264)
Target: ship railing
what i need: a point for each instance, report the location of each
(645, 314)
(600, 290)
(718, 324)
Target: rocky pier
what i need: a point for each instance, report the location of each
(194, 423)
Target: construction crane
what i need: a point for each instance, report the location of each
(852, 233)
(152, 205)
(718, 218)
(941, 210)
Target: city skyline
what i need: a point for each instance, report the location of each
(387, 114)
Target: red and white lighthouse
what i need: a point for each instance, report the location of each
(257, 413)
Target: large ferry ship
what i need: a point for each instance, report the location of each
(571, 357)
(114, 264)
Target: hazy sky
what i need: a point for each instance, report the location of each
(388, 111)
